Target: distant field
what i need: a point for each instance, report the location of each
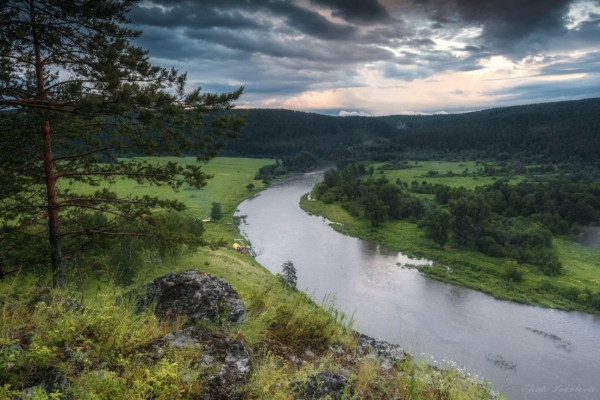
(419, 169)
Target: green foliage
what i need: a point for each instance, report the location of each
(300, 162)
(511, 271)
(250, 186)
(215, 212)
(436, 225)
(553, 131)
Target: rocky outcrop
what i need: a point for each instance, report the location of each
(223, 362)
(194, 294)
(332, 385)
(226, 359)
(326, 384)
(388, 354)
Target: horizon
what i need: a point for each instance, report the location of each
(418, 114)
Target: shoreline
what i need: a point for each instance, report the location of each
(467, 273)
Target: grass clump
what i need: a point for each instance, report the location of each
(105, 349)
(100, 347)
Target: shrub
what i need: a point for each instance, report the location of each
(512, 273)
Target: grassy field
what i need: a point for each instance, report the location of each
(419, 169)
(581, 265)
(109, 336)
(228, 187)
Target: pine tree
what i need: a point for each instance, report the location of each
(75, 95)
(289, 273)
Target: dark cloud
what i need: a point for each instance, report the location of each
(312, 23)
(187, 14)
(285, 47)
(587, 64)
(512, 25)
(460, 92)
(358, 11)
(305, 49)
(549, 91)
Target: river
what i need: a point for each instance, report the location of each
(526, 352)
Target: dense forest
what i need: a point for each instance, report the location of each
(278, 133)
(566, 131)
(554, 131)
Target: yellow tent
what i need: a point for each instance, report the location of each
(236, 246)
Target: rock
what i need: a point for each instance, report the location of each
(51, 380)
(338, 349)
(192, 293)
(308, 353)
(389, 354)
(227, 358)
(326, 384)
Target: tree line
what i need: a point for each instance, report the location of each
(515, 221)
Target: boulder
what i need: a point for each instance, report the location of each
(227, 360)
(51, 380)
(325, 384)
(194, 294)
(388, 354)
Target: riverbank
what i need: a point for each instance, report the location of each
(473, 269)
(103, 349)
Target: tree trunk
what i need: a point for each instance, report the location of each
(58, 270)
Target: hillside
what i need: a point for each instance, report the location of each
(276, 133)
(563, 129)
(554, 131)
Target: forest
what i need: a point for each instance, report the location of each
(548, 133)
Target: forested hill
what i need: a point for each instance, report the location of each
(286, 132)
(552, 130)
(568, 128)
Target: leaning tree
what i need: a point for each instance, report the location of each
(78, 103)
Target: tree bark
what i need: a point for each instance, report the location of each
(58, 270)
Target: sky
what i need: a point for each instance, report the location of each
(379, 57)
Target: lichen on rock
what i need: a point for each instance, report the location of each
(193, 294)
(227, 360)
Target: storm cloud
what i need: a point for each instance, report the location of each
(282, 49)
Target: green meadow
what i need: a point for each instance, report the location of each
(227, 186)
(581, 265)
(465, 173)
(230, 176)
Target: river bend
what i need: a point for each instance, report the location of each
(527, 352)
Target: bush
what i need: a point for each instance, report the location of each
(512, 273)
